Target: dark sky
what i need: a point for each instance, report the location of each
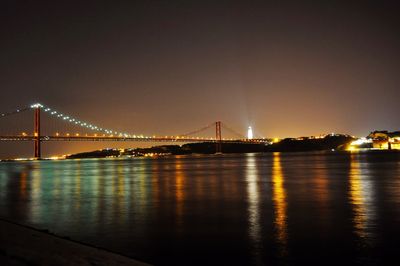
(288, 68)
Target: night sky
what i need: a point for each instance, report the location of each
(168, 67)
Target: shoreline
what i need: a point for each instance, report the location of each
(197, 154)
(25, 245)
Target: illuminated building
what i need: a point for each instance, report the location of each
(378, 140)
(250, 133)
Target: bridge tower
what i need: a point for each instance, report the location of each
(36, 133)
(218, 137)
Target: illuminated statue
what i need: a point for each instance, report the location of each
(250, 133)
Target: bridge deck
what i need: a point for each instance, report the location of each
(113, 138)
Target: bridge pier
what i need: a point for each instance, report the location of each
(218, 137)
(36, 134)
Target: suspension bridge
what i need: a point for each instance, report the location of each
(44, 132)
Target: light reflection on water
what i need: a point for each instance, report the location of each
(362, 198)
(231, 209)
(321, 183)
(179, 192)
(280, 202)
(252, 180)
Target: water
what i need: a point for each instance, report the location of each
(245, 209)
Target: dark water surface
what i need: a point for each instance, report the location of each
(259, 209)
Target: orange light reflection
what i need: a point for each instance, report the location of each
(279, 199)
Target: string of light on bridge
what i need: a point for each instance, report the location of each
(14, 112)
(83, 124)
(114, 134)
(95, 128)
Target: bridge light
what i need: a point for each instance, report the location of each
(36, 105)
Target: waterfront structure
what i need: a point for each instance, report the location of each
(378, 140)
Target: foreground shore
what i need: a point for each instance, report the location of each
(21, 245)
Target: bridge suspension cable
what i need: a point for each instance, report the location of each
(224, 126)
(17, 111)
(77, 122)
(86, 125)
(198, 130)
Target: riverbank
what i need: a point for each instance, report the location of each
(22, 245)
(327, 143)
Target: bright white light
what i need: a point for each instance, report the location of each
(36, 105)
(250, 133)
(361, 141)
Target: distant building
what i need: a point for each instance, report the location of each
(377, 140)
(385, 139)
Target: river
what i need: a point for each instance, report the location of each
(237, 209)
